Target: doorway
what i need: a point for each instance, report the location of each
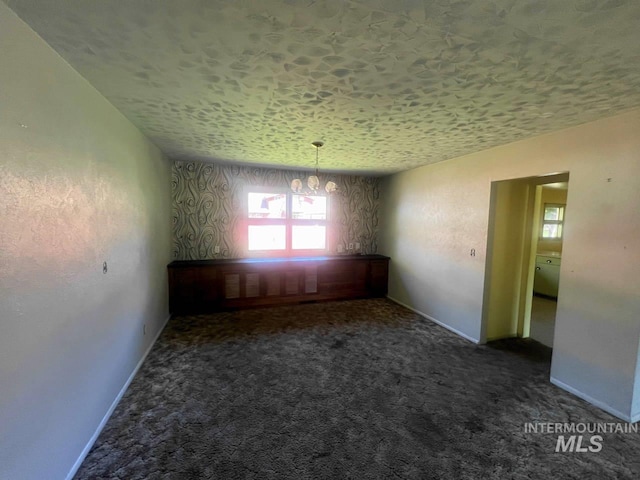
(551, 203)
(524, 251)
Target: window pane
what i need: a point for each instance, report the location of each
(267, 237)
(552, 213)
(309, 207)
(550, 230)
(309, 237)
(267, 205)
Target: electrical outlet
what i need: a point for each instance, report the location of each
(216, 249)
(105, 269)
(351, 246)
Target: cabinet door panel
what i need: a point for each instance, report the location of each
(184, 283)
(291, 283)
(274, 282)
(208, 286)
(232, 285)
(379, 277)
(546, 279)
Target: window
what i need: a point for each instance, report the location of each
(288, 223)
(552, 221)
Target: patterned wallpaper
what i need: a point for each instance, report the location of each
(208, 208)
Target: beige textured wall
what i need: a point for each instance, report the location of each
(432, 216)
(209, 208)
(79, 185)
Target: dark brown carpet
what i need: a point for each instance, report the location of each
(344, 390)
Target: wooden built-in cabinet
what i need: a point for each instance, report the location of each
(201, 286)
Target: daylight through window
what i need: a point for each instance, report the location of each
(552, 221)
(287, 222)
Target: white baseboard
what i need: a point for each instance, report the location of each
(555, 381)
(113, 406)
(593, 401)
(429, 317)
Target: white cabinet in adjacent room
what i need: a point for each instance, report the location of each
(547, 275)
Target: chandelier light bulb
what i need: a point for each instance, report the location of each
(313, 182)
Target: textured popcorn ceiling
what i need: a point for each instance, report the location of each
(387, 84)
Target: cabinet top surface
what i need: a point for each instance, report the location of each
(549, 253)
(232, 261)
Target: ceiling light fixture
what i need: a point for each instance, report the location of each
(313, 182)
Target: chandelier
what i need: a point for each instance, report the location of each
(313, 182)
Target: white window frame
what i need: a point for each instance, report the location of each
(560, 222)
(288, 222)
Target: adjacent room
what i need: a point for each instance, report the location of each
(324, 239)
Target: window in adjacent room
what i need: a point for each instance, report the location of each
(288, 223)
(552, 221)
